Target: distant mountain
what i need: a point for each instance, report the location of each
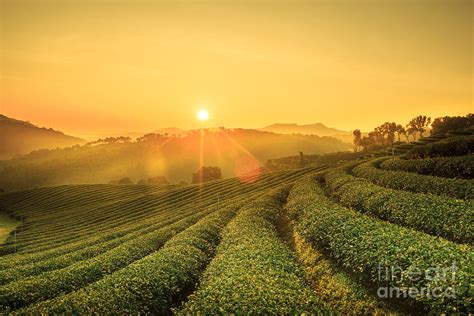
(170, 131)
(309, 129)
(21, 137)
(234, 151)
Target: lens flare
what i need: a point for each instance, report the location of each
(247, 169)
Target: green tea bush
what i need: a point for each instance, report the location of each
(461, 167)
(152, 284)
(63, 261)
(455, 188)
(253, 272)
(436, 215)
(365, 246)
(454, 146)
(47, 285)
(334, 286)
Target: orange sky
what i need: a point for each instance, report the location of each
(109, 66)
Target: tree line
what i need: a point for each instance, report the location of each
(387, 133)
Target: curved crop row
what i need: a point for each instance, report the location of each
(48, 285)
(461, 167)
(140, 208)
(17, 259)
(60, 258)
(335, 287)
(454, 146)
(386, 255)
(48, 220)
(62, 261)
(152, 284)
(126, 214)
(454, 188)
(436, 215)
(92, 231)
(253, 271)
(90, 218)
(53, 228)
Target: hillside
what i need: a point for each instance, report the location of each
(20, 137)
(309, 129)
(170, 131)
(308, 240)
(175, 157)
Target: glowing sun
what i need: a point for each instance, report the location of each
(203, 115)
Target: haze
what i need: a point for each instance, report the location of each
(83, 66)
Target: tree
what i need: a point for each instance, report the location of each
(389, 130)
(400, 130)
(159, 180)
(151, 137)
(302, 162)
(205, 174)
(125, 180)
(452, 123)
(357, 139)
(419, 124)
(411, 131)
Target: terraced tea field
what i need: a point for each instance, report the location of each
(342, 240)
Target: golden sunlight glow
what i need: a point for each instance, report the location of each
(203, 115)
(79, 66)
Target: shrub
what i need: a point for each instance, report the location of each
(436, 215)
(253, 272)
(455, 188)
(125, 180)
(104, 242)
(449, 167)
(205, 174)
(451, 123)
(152, 284)
(455, 146)
(364, 245)
(32, 289)
(160, 180)
(334, 286)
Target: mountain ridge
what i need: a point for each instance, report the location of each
(294, 128)
(20, 137)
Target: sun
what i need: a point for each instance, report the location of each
(202, 115)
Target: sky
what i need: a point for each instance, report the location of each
(112, 66)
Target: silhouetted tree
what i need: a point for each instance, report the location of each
(357, 139)
(205, 174)
(452, 123)
(419, 124)
(125, 180)
(388, 129)
(400, 131)
(150, 137)
(302, 164)
(411, 131)
(159, 180)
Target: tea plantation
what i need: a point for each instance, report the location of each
(377, 235)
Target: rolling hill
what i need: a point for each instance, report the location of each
(311, 240)
(20, 137)
(309, 129)
(235, 151)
